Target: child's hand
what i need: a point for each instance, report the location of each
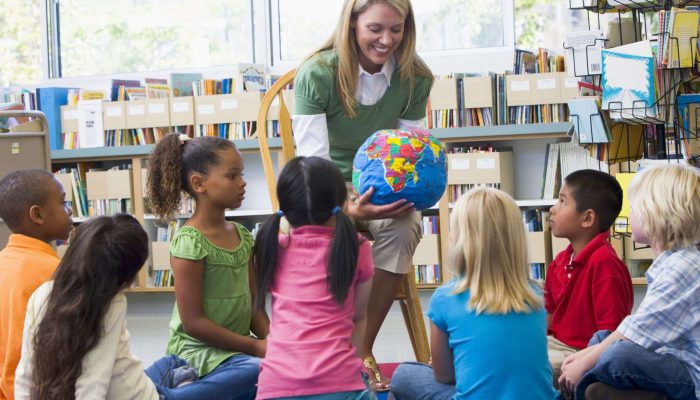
(259, 348)
(572, 376)
(576, 356)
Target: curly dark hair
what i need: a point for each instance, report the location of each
(170, 165)
(19, 191)
(102, 259)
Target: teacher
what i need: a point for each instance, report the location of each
(367, 77)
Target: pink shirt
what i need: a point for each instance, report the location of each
(309, 349)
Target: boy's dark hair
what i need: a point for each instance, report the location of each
(19, 191)
(102, 259)
(170, 165)
(308, 189)
(598, 191)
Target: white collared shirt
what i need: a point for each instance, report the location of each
(311, 131)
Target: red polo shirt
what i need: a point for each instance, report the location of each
(589, 293)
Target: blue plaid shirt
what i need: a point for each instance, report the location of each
(668, 320)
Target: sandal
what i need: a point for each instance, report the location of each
(377, 381)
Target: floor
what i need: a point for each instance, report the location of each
(149, 315)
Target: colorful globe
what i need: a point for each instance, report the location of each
(401, 164)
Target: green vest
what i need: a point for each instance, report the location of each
(316, 92)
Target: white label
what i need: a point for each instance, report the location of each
(70, 114)
(181, 107)
(229, 104)
(460, 163)
(485, 163)
(571, 83)
(137, 110)
(157, 108)
(205, 109)
(114, 111)
(520, 86)
(545, 84)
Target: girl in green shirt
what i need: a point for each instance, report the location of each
(212, 321)
(367, 77)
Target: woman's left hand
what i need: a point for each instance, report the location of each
(363, 209)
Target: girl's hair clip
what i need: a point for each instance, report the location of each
(183, 138)
(280, 213)
(336, 210)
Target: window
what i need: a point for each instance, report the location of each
(445, 28)
(115, 36)
(20, 42)
(545, 23)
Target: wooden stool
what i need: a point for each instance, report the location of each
(408, 293)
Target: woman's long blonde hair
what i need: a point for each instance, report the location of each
(488, 251)
(343, 42)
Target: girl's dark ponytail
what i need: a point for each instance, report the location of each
(343, 258)
(164, 184)
(265, 258)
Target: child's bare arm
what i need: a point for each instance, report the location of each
(572, 371)
(260, 323)
(189, 275)
(443, 359)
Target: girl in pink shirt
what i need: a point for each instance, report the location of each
(319, 277)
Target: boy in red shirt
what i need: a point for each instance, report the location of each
(33, 205)
(587, 287)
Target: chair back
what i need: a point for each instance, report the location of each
(267, 107)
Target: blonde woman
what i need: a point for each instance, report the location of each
(488, 329)
(367, 77)
(658, 347)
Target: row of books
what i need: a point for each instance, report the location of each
(428, 274)
(431, 224)
(561, 159)
(538, 271)
(535, 219)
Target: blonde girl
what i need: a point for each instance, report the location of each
(488, 328)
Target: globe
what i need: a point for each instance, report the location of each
(401, 164)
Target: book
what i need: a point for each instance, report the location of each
(583, 52)
(117, 83)
(90, 125)
(589, 123)
(50, 100)
(628, 81)
(181, 83)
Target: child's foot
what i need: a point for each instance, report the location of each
(377, 381)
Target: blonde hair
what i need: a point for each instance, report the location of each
(666, 198)
(343, 42)
(489, 253)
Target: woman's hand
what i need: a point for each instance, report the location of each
(362, 209)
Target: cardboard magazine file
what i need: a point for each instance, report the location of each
(247, 105)
(558, 245)
(427, 252)
(227, 108)
(443, 95)
(477, 92)
(114, 115)
(69, 119)
(157, 112)
(568, 86)
(182, 111)
(636, 251)
(537, 247)
(481, 168)
(518, 90)
(119, 184)
(97, 185)
(136, 114)
(67, 183)
(546, 88)
(160, 255)
(274, 112)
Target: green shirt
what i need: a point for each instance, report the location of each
(316, 92)
(225, 291)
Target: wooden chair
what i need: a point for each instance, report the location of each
(408, 293)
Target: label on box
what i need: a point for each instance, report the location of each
(571, 83)
(182, 106)
(520, 86)
(113, 111)
(459, 163)
(486, 163)
(229, 104)
(205, 109)
(70, 114)
(137, 110)
(157, 108)
(545, 84)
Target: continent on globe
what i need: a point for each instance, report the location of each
(401, 164)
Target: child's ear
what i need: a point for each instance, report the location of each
(588, 219)
(197, 183)
(36, 215)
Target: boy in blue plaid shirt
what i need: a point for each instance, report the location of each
(658, 347)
